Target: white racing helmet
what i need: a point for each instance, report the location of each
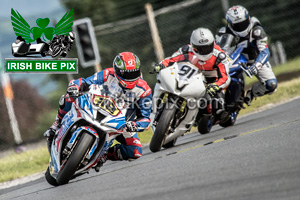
(203, 42)
(238, 20)
(71, 36)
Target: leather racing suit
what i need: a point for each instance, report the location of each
(257, 52)
(138, 99)
(215, 70)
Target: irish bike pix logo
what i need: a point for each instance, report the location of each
(35, 43)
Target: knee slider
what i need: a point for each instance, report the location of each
(137, 153)
(271, 85)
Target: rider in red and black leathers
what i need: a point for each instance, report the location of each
(215, 69)
(209, 58)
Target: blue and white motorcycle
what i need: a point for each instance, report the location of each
(87, 131)
(234, 94)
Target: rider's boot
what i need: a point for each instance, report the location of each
(249, 97)
(112, 154)
(49, 134)
(220, 107)
(260, 89)
(100, 163)
(257, 90)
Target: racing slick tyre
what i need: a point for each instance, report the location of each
(77, 155)
(50, 179)
(162, 128)
(204, 125)
(230, 121)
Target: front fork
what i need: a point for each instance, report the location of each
(179, 102)
(160, 108)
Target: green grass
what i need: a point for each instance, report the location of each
(26, 163)
(33, 161)
(15, 165)
(145, 136)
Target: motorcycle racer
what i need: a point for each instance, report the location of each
(252, 37)
(124, 78)
(207, 56)
(63, 42)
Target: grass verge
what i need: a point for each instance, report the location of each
(26, 163)
(34, 161)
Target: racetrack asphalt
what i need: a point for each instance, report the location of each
(257, 158)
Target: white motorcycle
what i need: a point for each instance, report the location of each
(177, 96)
(87, 132)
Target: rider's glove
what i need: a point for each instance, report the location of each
(73, 90)
(212, 89)
(158, 67)
(130, 126)
(253, 69)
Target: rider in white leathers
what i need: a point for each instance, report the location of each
(253, 38)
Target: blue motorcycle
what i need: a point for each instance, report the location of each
(234, 94)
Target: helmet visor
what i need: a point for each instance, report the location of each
(128, 75)
(241, 26)
(205, 49)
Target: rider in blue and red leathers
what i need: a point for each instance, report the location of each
(136, 93)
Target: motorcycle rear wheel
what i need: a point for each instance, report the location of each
(162, 128)
(230, 122)
(83, 146)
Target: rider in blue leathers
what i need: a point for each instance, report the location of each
(126, 75)
(252, 37)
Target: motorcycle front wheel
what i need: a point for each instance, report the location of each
(50, 179)
(170, 144)
(83, 146)
(163, 127)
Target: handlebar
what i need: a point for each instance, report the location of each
(75, 96)
(245, 69)
(153, 72)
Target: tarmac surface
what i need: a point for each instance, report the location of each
(257, 158)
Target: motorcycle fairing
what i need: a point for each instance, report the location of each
(109, 128)
(116, 123)
(173, 82)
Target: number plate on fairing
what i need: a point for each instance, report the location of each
(106, 104)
